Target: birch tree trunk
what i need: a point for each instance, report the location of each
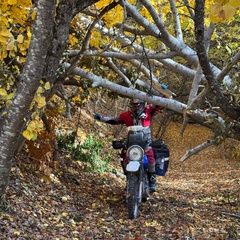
(49, 40)
(12, 124)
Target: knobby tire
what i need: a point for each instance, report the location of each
(132, 200)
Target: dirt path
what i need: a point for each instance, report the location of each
(198, 199)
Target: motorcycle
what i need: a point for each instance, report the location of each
(138, 189)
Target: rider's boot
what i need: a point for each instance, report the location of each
(152, 181)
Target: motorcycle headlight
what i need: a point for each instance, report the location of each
(135, 153)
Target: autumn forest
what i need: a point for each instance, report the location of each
(61, 62)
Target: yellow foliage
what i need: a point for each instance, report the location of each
(229, 11)
(235, 3)
(11, 45)
(145, 13)
(95, 39)
(6, 33)
(23, 47)
(41, 101)
(28, 135)
(3, 93)
(35, 125)
(20, 38)
(223, 10)
(76, 99)
(114, 16)
(10, 96)
(47, 86)
(4, 21)
(12, 2)
(3, 54)
(33, 128)
(103, 3)
(41, 89)
(72, 39)
(13, 12)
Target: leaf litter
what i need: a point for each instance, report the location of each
(197, 199)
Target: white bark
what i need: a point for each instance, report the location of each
(197, 149)
(129, 92)
(12, 124)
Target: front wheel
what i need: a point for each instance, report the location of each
(132, 196)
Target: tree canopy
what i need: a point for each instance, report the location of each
(130, 48)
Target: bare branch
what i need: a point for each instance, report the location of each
(197, 149)
(190, 10)
(128, 92)
(125, 56)
(228, 67)
(85, 44)
(178, 29)
(151, 28)
(226, 107)
(118, 71)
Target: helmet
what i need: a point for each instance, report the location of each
(137, 107)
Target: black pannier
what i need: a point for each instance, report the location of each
(161, 154)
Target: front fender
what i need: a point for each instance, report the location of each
(132, 166)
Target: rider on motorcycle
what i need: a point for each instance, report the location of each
(139, 113)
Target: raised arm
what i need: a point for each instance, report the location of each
(109, 120)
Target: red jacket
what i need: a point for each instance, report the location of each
(127, 118)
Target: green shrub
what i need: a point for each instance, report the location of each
(88, 151)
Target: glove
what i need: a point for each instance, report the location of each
(97, 116)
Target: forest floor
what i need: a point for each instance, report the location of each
(197, 199)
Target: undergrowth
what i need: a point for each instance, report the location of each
(88, 151)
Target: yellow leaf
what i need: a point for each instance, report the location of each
(35, 116)
(152, 224)
(235, 3)
(148, 224)
(33, 15)
(41, 102)
(64, 214)
(10, 45)
(8, 103)
(219, 13)
(229, 11)
(29, 34)
(95, 39)
(35, 125)
(10, 96)
(28, 134)
(72, 39)
(16, 233)
(5, 33)
(2, 39)
(40, 89)
(34, 137)
(64, 199)
(3, 92)
(12, 2)
(47, 86)
(5, 20)
(20, 38)
(102, 4)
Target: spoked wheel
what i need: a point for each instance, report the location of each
(133, 196)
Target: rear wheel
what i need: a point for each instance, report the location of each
(133, 196)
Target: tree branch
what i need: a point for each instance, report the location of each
(234, 60)
(128, 92)
(197, 149)
(85, 44)
(178, 29)
(205, 63)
